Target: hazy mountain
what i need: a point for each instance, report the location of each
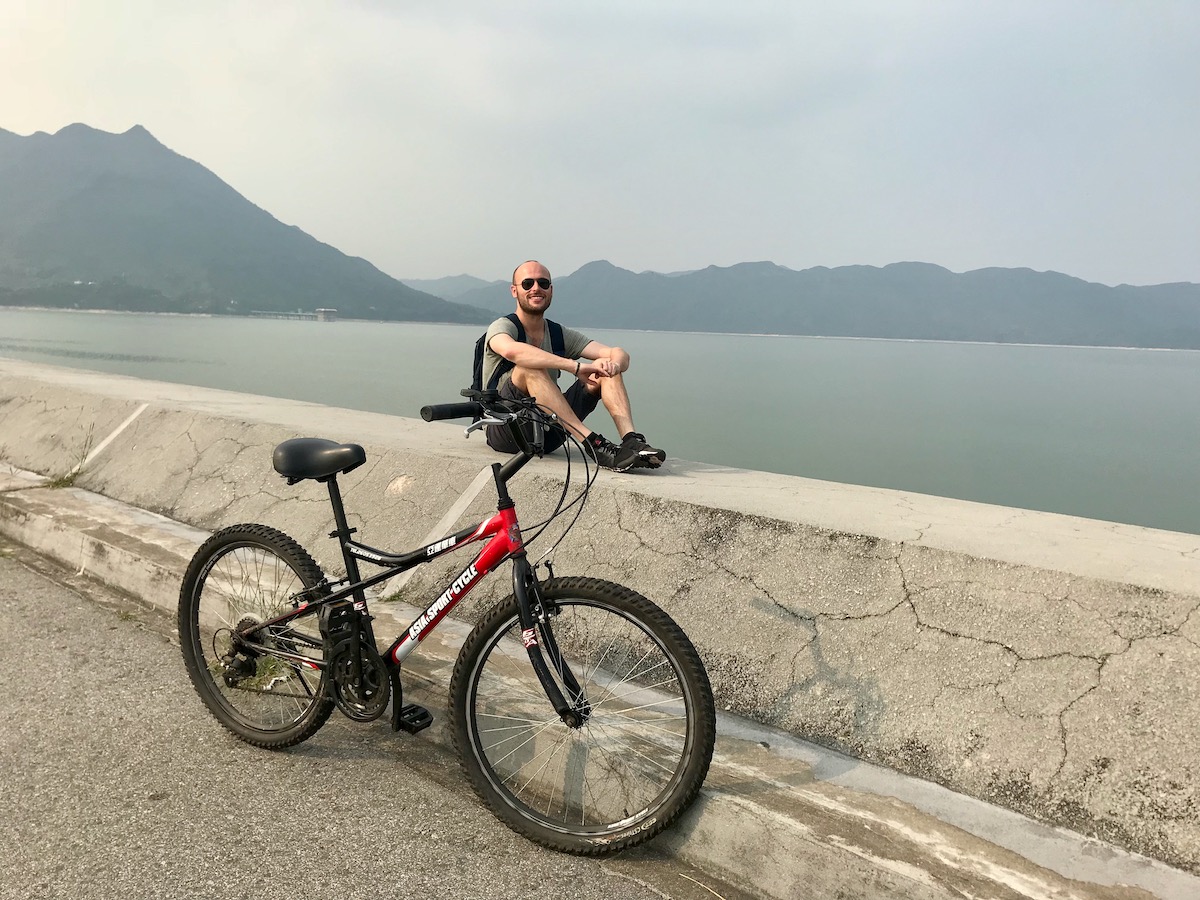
(495, 295)
(93, 219)
(452, 286)
(904, 300)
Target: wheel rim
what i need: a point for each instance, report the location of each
(249, 582)
(622, 763)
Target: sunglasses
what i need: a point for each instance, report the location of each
(527, 283)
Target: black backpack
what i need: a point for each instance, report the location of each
(557, 347)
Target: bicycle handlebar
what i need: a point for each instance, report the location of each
(438, 411)
(489, 406)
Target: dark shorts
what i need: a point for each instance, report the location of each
(581, 401)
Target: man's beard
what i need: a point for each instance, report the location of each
(533, 311)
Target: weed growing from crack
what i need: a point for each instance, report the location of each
(67, 479)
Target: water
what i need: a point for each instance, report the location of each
(1102, 433)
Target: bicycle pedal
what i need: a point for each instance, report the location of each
(411, 718)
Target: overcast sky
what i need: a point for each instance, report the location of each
(441, 138)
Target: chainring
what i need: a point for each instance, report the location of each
(366, 699)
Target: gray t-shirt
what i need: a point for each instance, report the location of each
(573, 344)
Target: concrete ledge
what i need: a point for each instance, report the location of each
(123, 547)
(1038, 661)
(779, 817)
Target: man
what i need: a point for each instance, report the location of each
(594, 367)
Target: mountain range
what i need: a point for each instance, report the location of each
(99, 220)
(90, 219)
(907, 300)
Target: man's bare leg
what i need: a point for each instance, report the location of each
(538, 384)
(616, 400)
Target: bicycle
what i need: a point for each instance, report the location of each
(581, 713)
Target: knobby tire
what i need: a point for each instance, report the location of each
(638, 760)
(242, 573)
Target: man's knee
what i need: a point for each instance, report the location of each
(533, 381)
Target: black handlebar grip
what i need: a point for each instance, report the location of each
(451, 411)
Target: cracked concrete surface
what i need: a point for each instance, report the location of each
(1040, 662)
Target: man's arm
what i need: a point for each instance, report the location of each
(528, 356)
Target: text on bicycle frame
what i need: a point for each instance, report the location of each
(452, 593)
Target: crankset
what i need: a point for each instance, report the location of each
(364, 698)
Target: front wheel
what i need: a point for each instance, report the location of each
(633, 758)
(272, 692)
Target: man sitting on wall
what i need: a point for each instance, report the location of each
(530, 368)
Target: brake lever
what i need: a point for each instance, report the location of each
(483, 423)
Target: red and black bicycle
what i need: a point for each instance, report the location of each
(581, 712)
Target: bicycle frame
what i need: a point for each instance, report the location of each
(504, 542)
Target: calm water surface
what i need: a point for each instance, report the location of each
(1102, 433)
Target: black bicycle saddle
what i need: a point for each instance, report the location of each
(317, 458)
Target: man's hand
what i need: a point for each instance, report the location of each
(600, 368)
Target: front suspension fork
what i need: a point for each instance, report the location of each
(574, 713)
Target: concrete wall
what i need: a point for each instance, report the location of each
(1041, 662)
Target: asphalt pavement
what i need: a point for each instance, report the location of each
(117, 783)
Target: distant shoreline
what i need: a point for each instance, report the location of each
(820, 337)
(108, 312)
(203, 315)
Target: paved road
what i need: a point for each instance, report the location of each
(116, 782)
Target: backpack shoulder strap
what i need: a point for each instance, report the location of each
(516, 320)
(558, 345)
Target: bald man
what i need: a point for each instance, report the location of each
(531, 368)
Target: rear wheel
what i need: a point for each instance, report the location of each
(640, 747)
(242, 576)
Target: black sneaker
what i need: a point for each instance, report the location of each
(648, 456)
(609, 456)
